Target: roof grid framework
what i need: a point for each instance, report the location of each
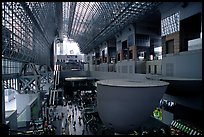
(93, 22)
(26, 36)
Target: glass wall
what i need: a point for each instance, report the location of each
(10, 67)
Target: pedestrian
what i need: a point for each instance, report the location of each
(69, 118)
(74, 123)
(66, 121)
(79, 118)
(83, 131)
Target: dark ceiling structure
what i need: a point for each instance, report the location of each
(29, 29)
(90, 23)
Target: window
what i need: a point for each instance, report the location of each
(118, 56)
(124, 44)
(130, 40)
(149, 68)
(170, 24)
(103, 56)
(125, 49)
(9, 67)
(170, 46)
(155, 69)
(142, 40)
(130, 54)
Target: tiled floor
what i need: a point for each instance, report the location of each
(69, 128)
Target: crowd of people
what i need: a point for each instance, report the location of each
(73, 115)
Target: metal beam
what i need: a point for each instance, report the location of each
(28, 11)
(107, 26)
(59, 17)
(71, 17)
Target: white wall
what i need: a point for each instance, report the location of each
(22, 100)
(91, 67)
(141, 67)
(103, 67)
(195, 44)
(112, 67)
(114, 75)
(25, 109)
(86, 67)
(90, 61)
(152, 65)
(126, 66)
(184, 64)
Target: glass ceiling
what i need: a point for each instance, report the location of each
(90, 23)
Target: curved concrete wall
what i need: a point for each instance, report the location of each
(123, 108)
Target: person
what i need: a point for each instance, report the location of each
(79, 123)
(73, 110)
(66, 121)
(46, 125)
(62, 114)
(83, 131)
(69, 118)
(79, 119)
(35, 128)
(74, 123)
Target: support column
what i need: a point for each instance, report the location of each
(3, 104)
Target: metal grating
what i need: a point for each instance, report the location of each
(90, 23)
(29, 28)
(26, 34)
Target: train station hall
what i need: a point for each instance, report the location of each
(101, 68)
